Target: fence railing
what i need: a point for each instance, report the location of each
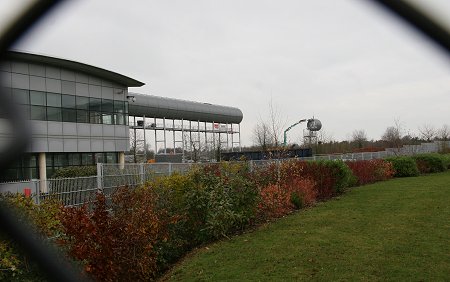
(81, 190)
(70, 191)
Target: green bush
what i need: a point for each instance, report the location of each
(224, 199)
(75, 171)
(429, 163)
(209, 202)
(15, 264)
(446, 158)
(404, 166)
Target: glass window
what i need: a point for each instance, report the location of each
(34, 172)
(82, 103)
(95, 104)
(82, 116)
(38, 113)
(68, 101)
(49, 160)
(54, 114)
(25, 110)
(21, 96)
(60, 160)
(69, 115)
(126, 107)
(99, 158)
(37, 98)
(119, 106)
(6, 91)
(95, 117)
(111, 158)
(107, 106)
(53, 100)
(50, 171)
(74, 159)
(119, 119)
(108, 119)
(87, 159)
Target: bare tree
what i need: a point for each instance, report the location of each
(427, 132)
(393, 135)
(193, 143)
(261, 135)
(137, 145)
(443, 133)
(268, 134)
(359, 137)
(276, 124)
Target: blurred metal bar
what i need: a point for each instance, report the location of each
(422, 22)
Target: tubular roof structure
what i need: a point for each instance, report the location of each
(161, 107)
(75, 66)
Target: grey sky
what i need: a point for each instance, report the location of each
(346, 62)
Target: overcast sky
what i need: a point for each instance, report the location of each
(346, 62)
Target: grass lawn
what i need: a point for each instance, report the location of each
(395, 230)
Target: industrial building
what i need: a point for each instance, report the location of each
(80, 115)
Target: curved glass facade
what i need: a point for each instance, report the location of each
(48, 106)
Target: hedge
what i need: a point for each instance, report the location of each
(429, 163)
(143, 231)
(404, 166)
(75, 171)
(371, 171)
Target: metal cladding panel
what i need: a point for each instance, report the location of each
(160, 107)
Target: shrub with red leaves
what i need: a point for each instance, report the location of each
(371, 171)
(116, 245)
(330, 177)
(280, 199)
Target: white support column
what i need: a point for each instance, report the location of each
(232, 139)
(165, 140)
(228, 143)
(198, 135)
(213, 137)
(156, 137)
(182, 139)
(121, 160)
(173, 128)
(190, 139)
(206, 140)
(240, 147)
(145, 141)
(42, 173)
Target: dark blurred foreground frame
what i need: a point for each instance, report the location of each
(423, 23)
(49, 259)
(52, 262)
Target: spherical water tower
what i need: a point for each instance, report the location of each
(310, 133)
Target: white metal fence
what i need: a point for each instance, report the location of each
(81, 190)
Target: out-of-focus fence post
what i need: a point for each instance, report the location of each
(170, 168)
(142, 173)
(99, 177)
(38, 192)
(250, 165)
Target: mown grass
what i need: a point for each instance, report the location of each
(397, 230)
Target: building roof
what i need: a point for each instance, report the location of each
(74, 66)
(161, 107)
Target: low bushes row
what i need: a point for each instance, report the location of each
(185, 211)
(419, 164)
(371, 171)
(143, 231)
(75, 171)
